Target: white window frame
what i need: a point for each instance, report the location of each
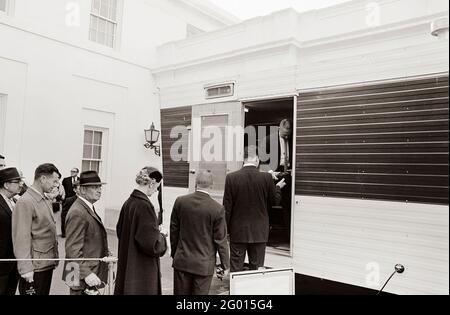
(103, 153)
(117, 22)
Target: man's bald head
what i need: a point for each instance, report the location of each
(204, 180)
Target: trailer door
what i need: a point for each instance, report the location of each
(216, 143)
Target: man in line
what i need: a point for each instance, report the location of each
(197, 232)
(86, 238)
(68, 182)
(248, 195)
(2, 162)
(67, 203)
(34, 232)
(10, 185)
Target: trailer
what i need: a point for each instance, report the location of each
(369, 151)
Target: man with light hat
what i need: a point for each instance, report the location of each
(86, 238)
(10, 185)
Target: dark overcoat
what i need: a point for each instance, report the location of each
(198, 231)
(140, 247)
(86, 238)
(6, 243)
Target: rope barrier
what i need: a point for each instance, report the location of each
(104, 259)
(111, 261)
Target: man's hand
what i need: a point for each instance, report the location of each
(222, 273)
(281, 183)
(29, 277)
(92, 280)
(274, 174)
(163, 231)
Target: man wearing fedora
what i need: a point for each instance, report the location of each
(34, 232)
(2, 162)
(86, 238)
(10, 185)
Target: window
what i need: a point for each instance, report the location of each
(3, 4)
(103, 27)
(220, 91)
(92, 150)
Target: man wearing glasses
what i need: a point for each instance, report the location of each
(10, 185)
(68, 182)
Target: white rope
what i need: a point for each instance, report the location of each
(104, 259)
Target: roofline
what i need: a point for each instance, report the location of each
(212, 10)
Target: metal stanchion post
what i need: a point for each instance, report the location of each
(111, 277)
(111, 262)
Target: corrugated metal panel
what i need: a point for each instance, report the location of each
(383, 141)
(337, 239)
(176, 173)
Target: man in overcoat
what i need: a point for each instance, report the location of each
(198, 231)
(86, 238)
(141, 243)
(10, 185)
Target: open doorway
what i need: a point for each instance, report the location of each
(266, 116)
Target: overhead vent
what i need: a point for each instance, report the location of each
(216, 91)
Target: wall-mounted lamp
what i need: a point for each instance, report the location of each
(439, 28)
(152, 136)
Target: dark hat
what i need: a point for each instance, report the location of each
(9, 174)
(90, 178)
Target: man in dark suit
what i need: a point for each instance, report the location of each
(10, 185)
(66, 204)
(248, 196)
(86, 238)
(68, 182)
(197, 232)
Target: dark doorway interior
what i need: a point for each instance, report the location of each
(266, 114)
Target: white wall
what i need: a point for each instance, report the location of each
(143, 24)
(360, 241)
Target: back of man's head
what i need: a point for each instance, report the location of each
(204, 180)
(46, 170)
(251, 155)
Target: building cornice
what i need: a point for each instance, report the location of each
(212, 11)
(398, 29)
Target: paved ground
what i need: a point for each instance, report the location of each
(59, 288)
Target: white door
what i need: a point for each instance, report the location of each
(216, 142)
